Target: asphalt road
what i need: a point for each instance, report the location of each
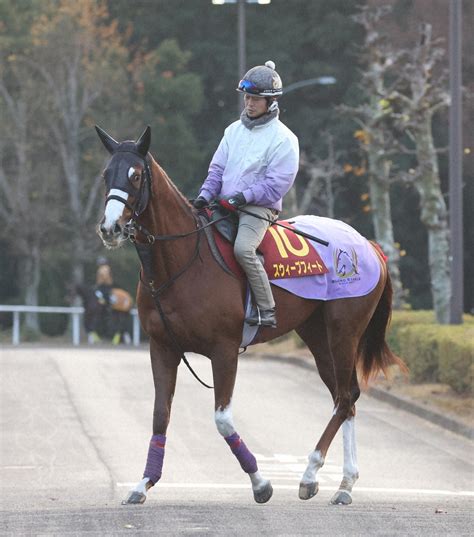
(75, 426)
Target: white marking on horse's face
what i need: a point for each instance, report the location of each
(114, 209)
(223, 419)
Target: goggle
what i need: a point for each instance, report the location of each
(249, 87)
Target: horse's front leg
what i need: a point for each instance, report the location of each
(224, 371)
(164, 364)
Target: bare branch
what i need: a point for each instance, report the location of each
(408, 177)
(399, 97)
(8, 99)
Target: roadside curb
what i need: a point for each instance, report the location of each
(403, 403)
(397, 401)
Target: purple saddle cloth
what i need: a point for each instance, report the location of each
(354, 267)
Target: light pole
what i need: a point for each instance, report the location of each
(455, 162)
(320, 80)
(241, 42)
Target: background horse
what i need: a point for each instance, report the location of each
(187, 303)
(102, 321)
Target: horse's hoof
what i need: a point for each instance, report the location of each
(264, 494)
(308, 490)
(342, 497)
(134, 497)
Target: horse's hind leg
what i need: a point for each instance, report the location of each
(164, 366)
(350, 469)
(224, 371)
(341, 379)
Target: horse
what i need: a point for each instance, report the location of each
(188, 303)
(102, 321)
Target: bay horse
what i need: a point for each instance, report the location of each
(188, 303)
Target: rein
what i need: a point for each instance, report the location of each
(132, 228)
(144, 251)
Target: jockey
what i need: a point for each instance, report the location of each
(254, 166)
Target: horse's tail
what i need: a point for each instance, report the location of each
(374, 354)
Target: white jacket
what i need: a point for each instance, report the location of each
(261, 163)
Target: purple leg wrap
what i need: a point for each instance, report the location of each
(156, 454)
(241, 451)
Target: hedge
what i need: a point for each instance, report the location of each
(434, 353)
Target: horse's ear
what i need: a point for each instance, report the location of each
(143, 143)
(109, 143)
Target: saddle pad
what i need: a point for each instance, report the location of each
(285, 254)
(352, 266)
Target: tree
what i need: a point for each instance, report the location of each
(406, 92)
(375, 136)
(28, 201)
(209, 31)
(321, 191)
(81, 61)
(422, 94)
(169, 96)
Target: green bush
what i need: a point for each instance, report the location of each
(456, 360)
(402, 319)
(418, 345)
(434, 353)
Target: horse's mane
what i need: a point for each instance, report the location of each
(170, 182)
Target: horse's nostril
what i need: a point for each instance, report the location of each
(117, 228)
(103, 229)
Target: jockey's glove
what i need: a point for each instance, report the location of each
(234, 202)
(200, 202)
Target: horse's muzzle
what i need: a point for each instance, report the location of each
(112, 236)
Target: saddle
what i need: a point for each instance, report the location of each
(284, 254)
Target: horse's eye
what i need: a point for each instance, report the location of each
(133, 175)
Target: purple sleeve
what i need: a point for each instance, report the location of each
(279, 176)
(213, 183)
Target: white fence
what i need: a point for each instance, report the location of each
(75, 313)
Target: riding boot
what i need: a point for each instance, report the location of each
(262, 318)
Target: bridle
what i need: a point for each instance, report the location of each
(144, 249)
(132, 226)
(144, 191)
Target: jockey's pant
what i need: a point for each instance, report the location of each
(249, 236)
